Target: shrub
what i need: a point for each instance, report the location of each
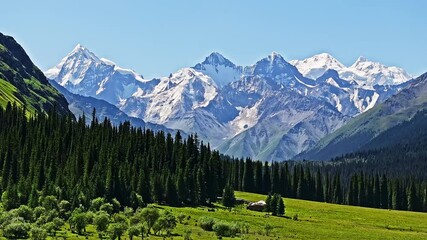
(25, 212)
(38, 233)
(7, 217)
(187, 234)
(78, 221)
(119, 218)
(207, 223)
(181, 217)
(225, 229)
(134, 220)
(101, 221)
(117, 229)
(107, 207)
(133, 231)
(267, 229)
(150, 216)
(64, 209)
(38, 211)
(167, 222)
(128, 211)
(96, 203)
(295, 217)
(49, 202)
(16, 229)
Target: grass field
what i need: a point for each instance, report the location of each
(315, 221)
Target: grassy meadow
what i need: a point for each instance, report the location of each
(315, 221)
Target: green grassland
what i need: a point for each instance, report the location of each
(315, 221)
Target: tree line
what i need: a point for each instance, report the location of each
(60, 156)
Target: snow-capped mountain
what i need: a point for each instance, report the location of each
(363, 71)
(315, 66)
(81, 72)
(373, 73)
(271, 110)
(220, 69)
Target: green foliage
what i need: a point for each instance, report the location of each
(49, 202)
(107, 207)
(78, 221)
(133, 231)
(96, 203)
(181, 218)
(25, 212)
(226, 229)
(16, 229)
(38, 233)
(101, 221)
(167, 222)
(38, 211)
(280, 207)
(116, 230)
(228, 198)
(150, 216)
(268, 228)
(207, 223)
(187, 234)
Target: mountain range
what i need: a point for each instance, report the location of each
(271, 110)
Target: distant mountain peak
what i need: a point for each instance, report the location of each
(275, 56)
(219, 68)
(81, 51)
(215, 59)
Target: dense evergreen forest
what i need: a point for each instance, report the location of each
(63, 157)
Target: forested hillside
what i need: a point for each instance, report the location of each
(70, 160)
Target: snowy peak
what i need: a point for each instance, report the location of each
(315, 66)
(273, 64)
(220, 69)
(217, 59)
(81, 53)
(363, 71)
(374, 73)
(82, 72)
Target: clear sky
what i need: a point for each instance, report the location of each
(158, 37)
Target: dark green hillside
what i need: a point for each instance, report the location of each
(22, 83)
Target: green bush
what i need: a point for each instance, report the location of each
(225, 229)
(295, 217)
(107, 207)
(187, 234)
(16, 229)
(101, 221)
(117, 229)
(25, 212)
(133, 231)
(207, 223)
(38, 233)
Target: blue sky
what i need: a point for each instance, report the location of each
(158, 37)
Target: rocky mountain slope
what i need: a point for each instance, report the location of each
(359, 131)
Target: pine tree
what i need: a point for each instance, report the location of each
(280, 207)
(171, 193)
(412, 198)
(266, 179)
(228, 198)
(268, 205)
(384, 192)
(248, 177)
